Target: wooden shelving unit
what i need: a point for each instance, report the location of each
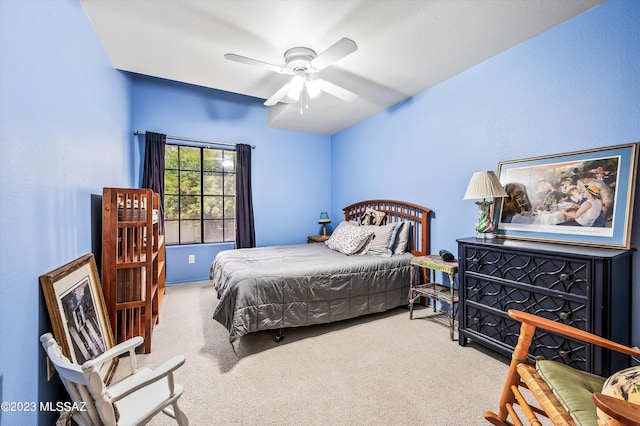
(133, 262)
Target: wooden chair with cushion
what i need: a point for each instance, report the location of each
(562, 394)
(134, 400)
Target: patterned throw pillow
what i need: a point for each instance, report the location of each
(624, 384)
(364, 249)
(373, 217)
(349, 239)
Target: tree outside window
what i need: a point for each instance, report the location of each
(199, 198)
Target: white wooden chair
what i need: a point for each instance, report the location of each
(133, 400)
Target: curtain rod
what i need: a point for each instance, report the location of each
(180, 138)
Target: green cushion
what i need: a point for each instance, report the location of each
(574, 389)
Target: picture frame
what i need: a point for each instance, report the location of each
(544, 206)
(78, 313)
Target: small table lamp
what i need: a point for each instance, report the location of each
(484, 185)
(324, 219)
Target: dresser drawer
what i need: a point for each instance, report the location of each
(497, 329)
(505, 295)
(585, 287)
(561, 274)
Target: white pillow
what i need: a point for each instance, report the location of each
(348, 238)
(381, 239)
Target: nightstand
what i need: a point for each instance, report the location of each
(432, 290)
(317, 238)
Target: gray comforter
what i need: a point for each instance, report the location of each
(297, 285)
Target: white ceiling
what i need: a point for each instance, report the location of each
(404, 46)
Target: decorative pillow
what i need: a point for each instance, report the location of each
(402, 239)
(380, 239)
(394, 237)
(624, 384)
(373, 217)
(365, 248)
(348, 238)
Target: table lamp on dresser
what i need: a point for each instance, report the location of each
(484, 185)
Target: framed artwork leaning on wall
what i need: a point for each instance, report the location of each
(582, 197)
(78, 314)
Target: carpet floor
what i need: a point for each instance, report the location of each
(381, 369)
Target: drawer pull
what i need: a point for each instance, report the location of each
(476, 320)
(564, 277)
(476, 291)
(565, 354)
(475, 261)
(564, 315)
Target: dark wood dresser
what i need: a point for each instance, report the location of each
(585, 287)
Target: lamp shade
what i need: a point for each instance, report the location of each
(484, 185)
(324, 218)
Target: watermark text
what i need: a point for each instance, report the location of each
(24, 406)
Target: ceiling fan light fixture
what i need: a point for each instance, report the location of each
(295, 87)
(301, 62)
(312, 88)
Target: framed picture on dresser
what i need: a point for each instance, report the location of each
(582, 197)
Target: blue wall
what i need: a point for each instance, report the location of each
(66, 130)
(64, 135)
(291, 170)
(574, 87)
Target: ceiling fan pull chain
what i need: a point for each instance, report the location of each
(302, 101)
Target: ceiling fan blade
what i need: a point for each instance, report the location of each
(249, 61)
(337, 51)
(336, 91)
(278, 96)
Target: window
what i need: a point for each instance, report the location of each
(199, 195)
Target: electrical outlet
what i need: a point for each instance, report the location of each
(192, 258)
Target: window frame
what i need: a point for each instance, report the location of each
(228, 233)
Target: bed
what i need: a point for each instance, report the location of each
(272, 288)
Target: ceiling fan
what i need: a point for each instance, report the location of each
(301, 62)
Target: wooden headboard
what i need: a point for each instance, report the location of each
(398, 211)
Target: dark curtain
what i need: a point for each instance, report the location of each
(245, 228)
(153, 172)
